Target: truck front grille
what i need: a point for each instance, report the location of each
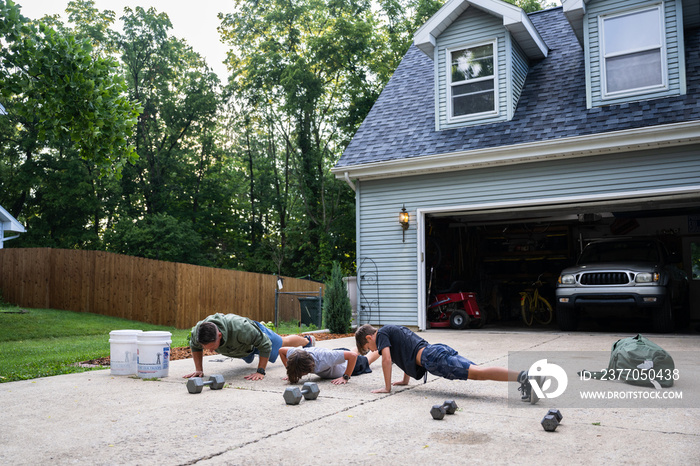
(605, 278)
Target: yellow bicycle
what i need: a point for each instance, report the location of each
(534, 307)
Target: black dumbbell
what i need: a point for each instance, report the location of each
(196, 384)
(551, 420)
(448, 407)
(292, 395)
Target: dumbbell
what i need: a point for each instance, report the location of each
(196, 384)
(448, 407)
(551, 420)
(292, 395)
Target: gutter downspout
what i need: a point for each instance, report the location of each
(349, 182)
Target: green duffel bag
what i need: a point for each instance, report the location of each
(638, 361)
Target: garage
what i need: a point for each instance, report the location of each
(491, 200)
(496, 252)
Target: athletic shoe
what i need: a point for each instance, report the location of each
(312, 341)
(525, 387)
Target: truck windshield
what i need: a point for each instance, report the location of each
(627, 251)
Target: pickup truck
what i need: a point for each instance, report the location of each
(619, 275)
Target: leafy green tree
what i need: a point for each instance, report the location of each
(66, 124)
(159, 236)
(301, 70)
(529, 6)
(182, 171)
(57, 94)
(178, 94)
(337, 309)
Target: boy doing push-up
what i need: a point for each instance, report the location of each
(415, 356)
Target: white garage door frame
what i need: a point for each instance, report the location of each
(616, 200)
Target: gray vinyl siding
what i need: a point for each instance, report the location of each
(674, 49)
(473, 27)
(379, 203)
(519, 73)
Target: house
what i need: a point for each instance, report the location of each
(9, 224)
(511, 138)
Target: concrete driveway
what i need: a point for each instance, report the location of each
(96, 418)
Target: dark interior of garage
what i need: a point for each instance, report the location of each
(497, 255)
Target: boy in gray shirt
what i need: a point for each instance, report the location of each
(337, 364)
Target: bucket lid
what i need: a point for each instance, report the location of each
(124, 332)
(155, 334)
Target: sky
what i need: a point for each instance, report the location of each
(194, 21)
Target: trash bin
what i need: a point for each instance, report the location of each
(311, 311)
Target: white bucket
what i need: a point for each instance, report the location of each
(153, 354)
(123, 351)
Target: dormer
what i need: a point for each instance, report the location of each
(634, 49)
(481, 50)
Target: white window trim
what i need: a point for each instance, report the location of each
(448, 83)
(664, 61)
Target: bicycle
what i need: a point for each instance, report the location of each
(535, 307)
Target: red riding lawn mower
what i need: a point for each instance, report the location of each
(455, 309)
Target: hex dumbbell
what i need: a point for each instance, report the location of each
(292, 395)
(551, 420)
(448, 407)
(196, 384)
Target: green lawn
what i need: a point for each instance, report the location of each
(44, 342)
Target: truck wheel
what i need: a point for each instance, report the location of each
(662, 318)
(459, 320)
(567, 318)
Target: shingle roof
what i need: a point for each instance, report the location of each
(552, 105)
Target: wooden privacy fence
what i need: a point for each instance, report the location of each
(145, 290)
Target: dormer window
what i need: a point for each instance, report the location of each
(472, 74)
(633, 56)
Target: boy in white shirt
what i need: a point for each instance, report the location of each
(337, 364)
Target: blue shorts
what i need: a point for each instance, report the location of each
(443, 361)
(276, 344)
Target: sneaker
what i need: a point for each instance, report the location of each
(525, 387)
(312, 341)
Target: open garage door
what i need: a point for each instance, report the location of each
(496, 252)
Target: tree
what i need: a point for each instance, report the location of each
(182, 170)
(529, 6)
(64, 133)
(159, 236)
(337, 309)
(301, 70)
(58, 95)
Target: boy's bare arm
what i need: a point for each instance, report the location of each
(405, 381)
(386, 369)
(283, 355)
(351, 358)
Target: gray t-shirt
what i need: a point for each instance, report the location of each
(329, 364)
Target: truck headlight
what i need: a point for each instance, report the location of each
(567, 279)
(647, 277)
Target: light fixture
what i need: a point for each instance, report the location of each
(403, 221)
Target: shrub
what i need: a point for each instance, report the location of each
(337, 310)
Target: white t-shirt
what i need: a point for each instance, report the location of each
(329, 364)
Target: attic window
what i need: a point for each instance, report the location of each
(472, 80)
(633, 52)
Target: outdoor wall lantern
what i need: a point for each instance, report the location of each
(403, 221)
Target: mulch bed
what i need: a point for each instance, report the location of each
(185, 353)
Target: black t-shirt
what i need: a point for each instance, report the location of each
(403, 345)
